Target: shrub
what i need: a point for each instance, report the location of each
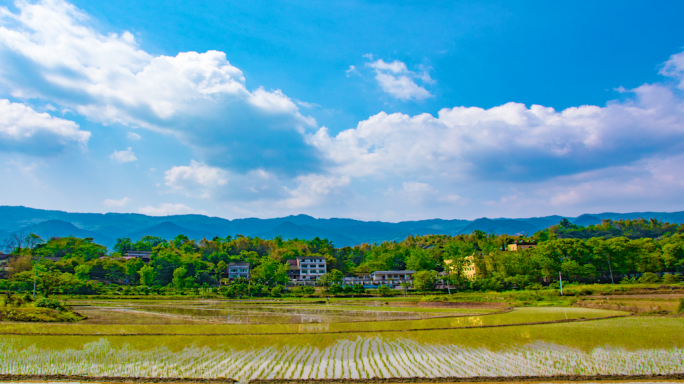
(277, 290)
(535, 287)
(649, 277)
(50, 303)
(681, 306)
(586, 292)
(528, 296)
(671, 279)
(384, 290)
(433, 298)
(335, 289)
(42, 315)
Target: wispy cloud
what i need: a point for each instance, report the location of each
(111, 203)
(166, 209)
(125, 156)
(398, 81)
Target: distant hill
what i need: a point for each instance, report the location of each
(106, 228)
(59, 228)
(587, 220)
(169, 230)
(289, 230)
(500, 226)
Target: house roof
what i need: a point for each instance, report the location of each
(310, 257)
(238, 264)
(392, 272)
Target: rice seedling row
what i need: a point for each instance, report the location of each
(364, 357)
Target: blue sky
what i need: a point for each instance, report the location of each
(370, 110)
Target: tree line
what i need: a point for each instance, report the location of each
(80, 266)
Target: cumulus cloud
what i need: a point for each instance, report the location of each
(24, 130)
(166, 209)
(49, 52)
(133, 136)
(512, 141)
(398, 81)
(125, 156)
(197, 179)
(111, 203)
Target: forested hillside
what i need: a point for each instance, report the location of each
(106, 228)
(75, 265)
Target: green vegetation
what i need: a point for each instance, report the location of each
(24, 309)
(178, 268)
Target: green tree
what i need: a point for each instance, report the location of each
(178, 278)
(83, 271)
(132, 267)
(146, 275)
(332, 277)
(420, 260)
(270, 272)
(424, 280)
(221, 268)
(123, 245)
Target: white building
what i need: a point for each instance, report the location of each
(311, 268)
(238, 270)
(392, 279)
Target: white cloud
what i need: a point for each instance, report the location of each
(166, 209)
(510, 142)
(125, 156)
(111, 203)
(313, 190)
(199, 97)
(674, 68)
(24, 130)
(398, 81)
(196, 180)
(133, 136)
(351, 70)
(28, 171)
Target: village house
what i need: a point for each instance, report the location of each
(142, 255)
(238, 270)
(392, 279)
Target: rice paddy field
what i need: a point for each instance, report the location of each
(325, 341)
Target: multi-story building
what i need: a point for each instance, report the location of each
(238, 270)
(310, 269)
(293, 271)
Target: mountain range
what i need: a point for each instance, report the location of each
(106, 228)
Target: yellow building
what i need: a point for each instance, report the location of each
(468, 268)
(520, 246)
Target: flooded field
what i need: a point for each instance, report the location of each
(354, 339)
(625, 346)
(125, 324)
(188, 312)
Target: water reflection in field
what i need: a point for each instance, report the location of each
(179, 312)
